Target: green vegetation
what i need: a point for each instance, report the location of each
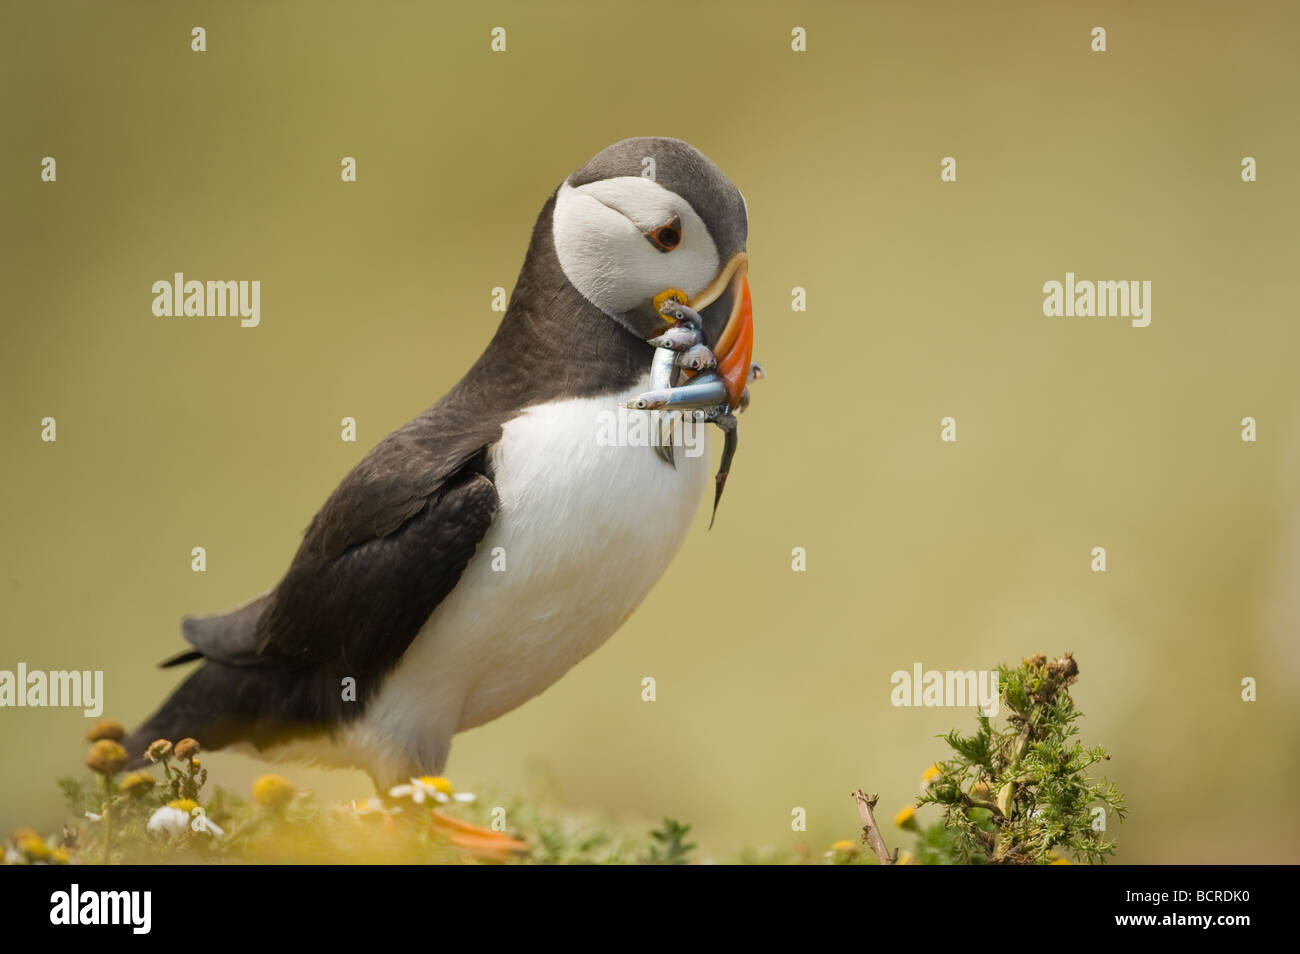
(1017, 792)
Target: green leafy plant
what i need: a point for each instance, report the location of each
(669, 846)
(1019, 792)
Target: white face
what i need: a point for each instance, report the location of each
(600, 234)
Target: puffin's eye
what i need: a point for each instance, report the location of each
(666, 237)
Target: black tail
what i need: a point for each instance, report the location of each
(220, 704)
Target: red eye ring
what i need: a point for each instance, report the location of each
(666, 237)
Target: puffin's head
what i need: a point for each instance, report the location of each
(652, 214)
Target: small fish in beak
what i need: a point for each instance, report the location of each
(702, 391)
(681, 337)
(714, 387)
(698, 358)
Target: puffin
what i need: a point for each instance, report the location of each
(484, 548)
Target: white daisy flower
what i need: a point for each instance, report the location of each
(178, 817)
(169, 821)
(433, 787)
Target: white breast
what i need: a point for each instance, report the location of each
(583, 532)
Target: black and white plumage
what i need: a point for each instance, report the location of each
(393, 585)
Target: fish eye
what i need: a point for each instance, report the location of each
(666, 237)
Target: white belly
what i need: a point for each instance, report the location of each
(582, 533)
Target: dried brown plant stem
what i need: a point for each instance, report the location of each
(870, 830)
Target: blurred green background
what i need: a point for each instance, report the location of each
(924, 300)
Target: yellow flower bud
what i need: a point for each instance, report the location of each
(23, 831)
(187, 748)
(159, 750)
(437, 782)
(105, 729)
(906, 818)
(106, 757)
(273, 792)
(34, 847)
(137, 783)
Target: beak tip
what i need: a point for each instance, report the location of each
(733, 366)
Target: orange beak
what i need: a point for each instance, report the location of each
(734, 348)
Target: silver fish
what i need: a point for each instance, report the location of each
(678, 338)
(702, 391)
(697, 358)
